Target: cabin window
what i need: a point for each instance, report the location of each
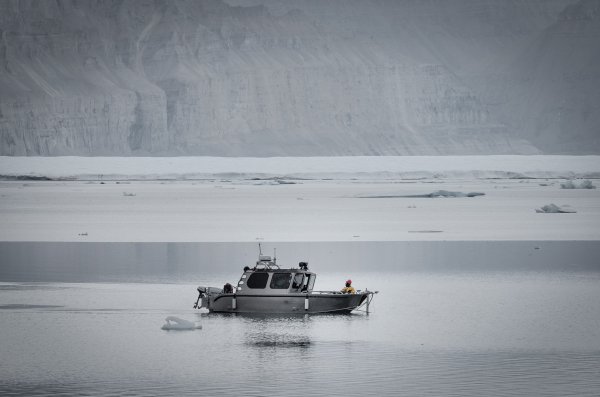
(257, 280)
(298, 278)
(281, 280)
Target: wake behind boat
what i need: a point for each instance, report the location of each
(267, 288)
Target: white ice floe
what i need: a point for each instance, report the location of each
(445, 193)
(437, 193)
(232, 209)
(179, 324)
(328, 211)
(585, 184)
(555, 209)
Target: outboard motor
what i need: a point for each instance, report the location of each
(201, 294)
(205, 293)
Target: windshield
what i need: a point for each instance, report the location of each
(281, 280)
(298, 281)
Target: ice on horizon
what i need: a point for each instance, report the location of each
(277, 169)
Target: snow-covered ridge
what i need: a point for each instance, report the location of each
(385, 167)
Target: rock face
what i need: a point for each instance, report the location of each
(558, 76)
(266, 78)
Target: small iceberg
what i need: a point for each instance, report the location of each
(586, 184)
(436, 194)
(555, 209)
(445, 193)
(179, 324)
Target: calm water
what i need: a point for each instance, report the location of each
(444, 327)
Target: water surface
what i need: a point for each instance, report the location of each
(433, 330)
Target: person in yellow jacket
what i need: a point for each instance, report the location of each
(348, 289)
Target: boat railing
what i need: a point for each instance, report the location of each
(366, 291)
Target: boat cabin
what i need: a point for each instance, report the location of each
(266, 278)
(267, 288)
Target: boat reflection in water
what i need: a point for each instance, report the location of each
(267, 288)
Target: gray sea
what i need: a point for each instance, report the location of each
(450, 319)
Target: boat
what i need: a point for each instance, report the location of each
(267, 288)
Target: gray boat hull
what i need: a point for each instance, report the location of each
(284, 303)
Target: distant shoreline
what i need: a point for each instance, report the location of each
(344, 168)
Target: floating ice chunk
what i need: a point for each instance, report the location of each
(176, 323)
(555, 209)
(438, 193)
(586, 184)
(445, 193)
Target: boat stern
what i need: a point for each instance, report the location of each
(204, 296)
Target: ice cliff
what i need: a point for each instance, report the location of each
(270, 77)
